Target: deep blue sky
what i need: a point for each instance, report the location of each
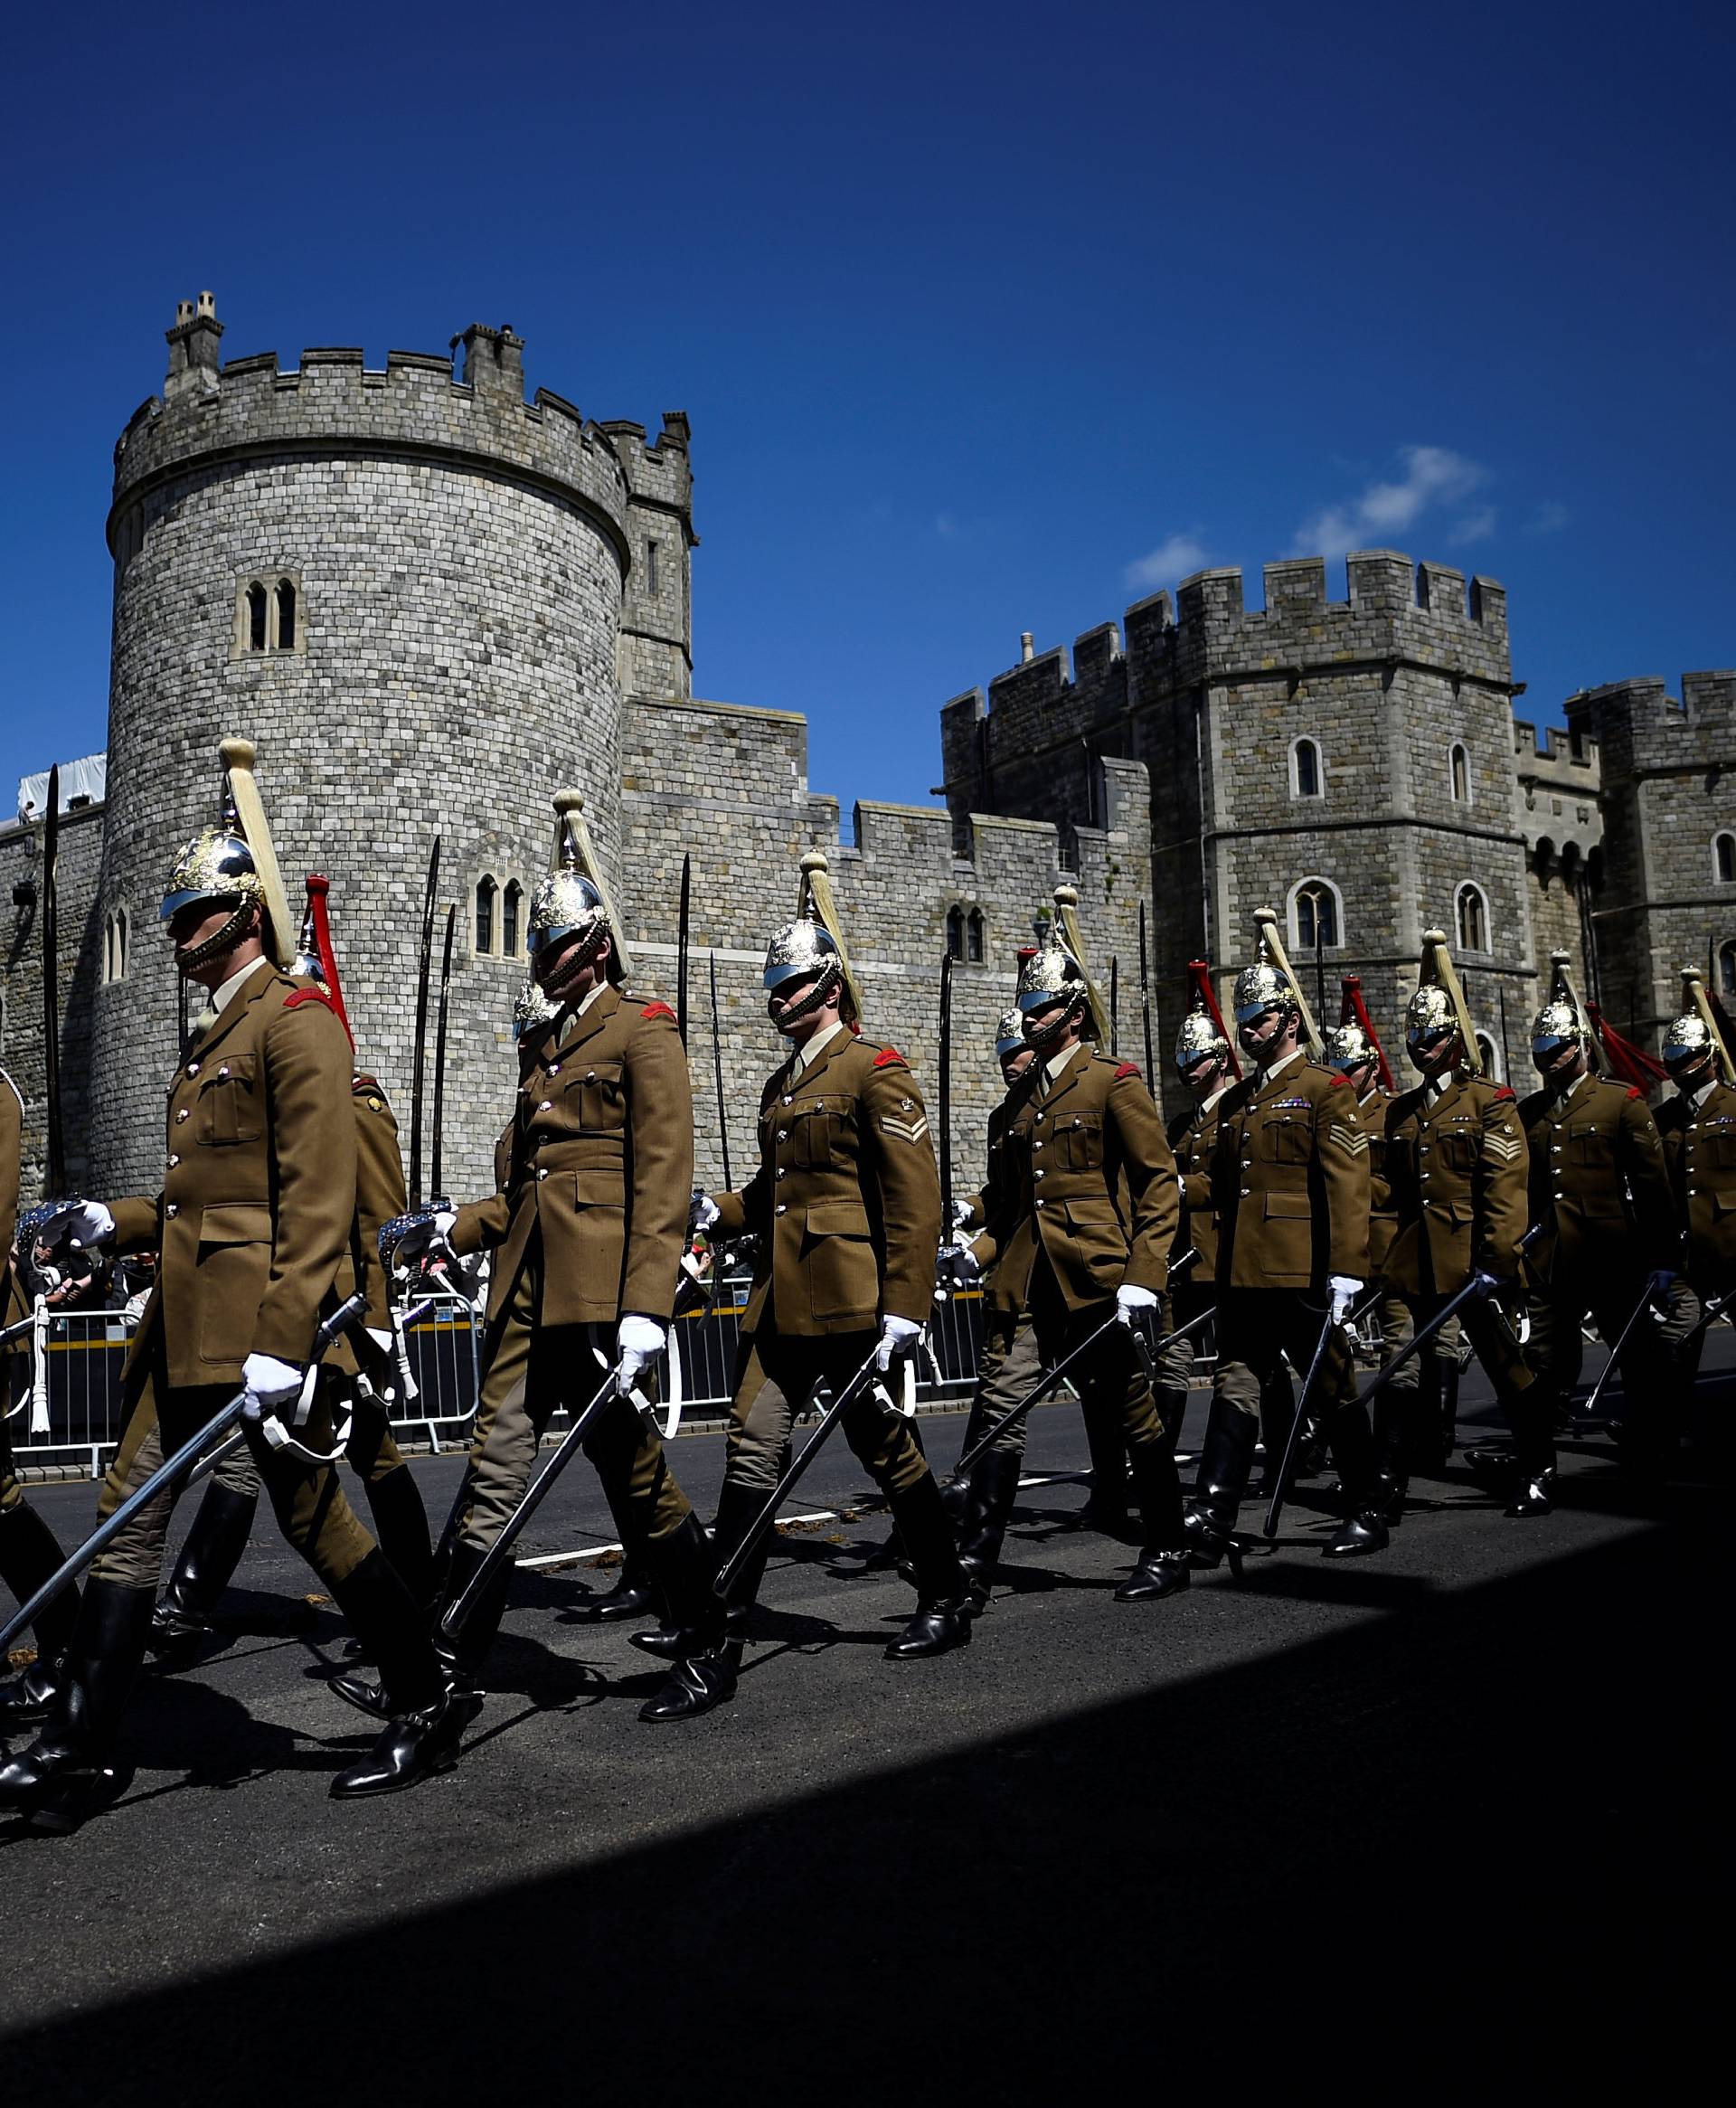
(989, 318)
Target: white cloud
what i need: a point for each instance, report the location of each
(1550, 517)
(1173, 559)
(1432, 476)
(1476, 527)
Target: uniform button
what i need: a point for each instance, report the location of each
(780, 1209)
(1039, 1200)
(1693, 1192)
(172, 1210)
(554, 1068)
(193, 1068)
(547, 1105)
(1038, 1172)
(1555, 1149)
(541, 1174)
(783, 1134)
(781, 1169)
(591, 1075)
(1039, 1119)
(181, 1115)
(1424, 1150)
(789, 1101)
(224, 1069)
(1036, 1145)
(173, 1160)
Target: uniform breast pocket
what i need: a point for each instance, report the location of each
(1588, 1145)
(229, 1108)
(1078, 1140)
(1459, 1149)
(1285, 1142)
(1722, 1144)
(597, 1097)
(821, 1127)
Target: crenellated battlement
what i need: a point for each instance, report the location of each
(659, 474)
(1640, 726)
(1550, 743)
(471, 412)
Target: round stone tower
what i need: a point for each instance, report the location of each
(406, 587)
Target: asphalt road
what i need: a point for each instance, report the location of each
(1443, 1819)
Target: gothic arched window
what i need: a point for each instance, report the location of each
(1472, 915)
(511, 916)
(487, 900)
(1460, 774)
(955, 932)
(1723, 858)
(257, 614)
(1316, 919)
(1307, 774)
(286, 636)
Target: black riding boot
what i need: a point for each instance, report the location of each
(1449, 1372)
(1162, 1567)
(460, 1656)
(707, 1658)
(183, 1622)
(1226, 1458)
(1534, 1440)
(634, 1593)
(1364, 1528)
(401, 1525)
(424, 1718)
(990, 1492)
(1396, 1412)
(29, 1553)
(1172, 1410)
(64, 1776)
(1105, 1506)
(737, 1507)
(1277, 1417)
(943, 1599)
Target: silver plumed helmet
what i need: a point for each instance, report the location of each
(1347, 1047)
(1557, 1025)
(216, 865)
(1687, 1043)
(1199, 1040)
(570, 896)
(1261, 988)
(799, 949)
(1050, 975)
(1009, 1034)
(1429, 1014)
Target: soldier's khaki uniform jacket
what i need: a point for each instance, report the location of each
(1291, 1177)
(1382, 1218)
(1192, 1140)
(846, 1200)
(13, 1304)
(1456, 1165)
(1006, 1288)
(601, 1160)
(259, 1191)
(1700, 1153)
(1586, 1148)
(1092, 1182)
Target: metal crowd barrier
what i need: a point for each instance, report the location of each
(443, 1349)
(67, 1409)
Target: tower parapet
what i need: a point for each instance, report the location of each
(657, 615)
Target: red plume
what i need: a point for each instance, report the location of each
(1199, 972)
(1352, 1010)
(1627, 1062)
(317, 889)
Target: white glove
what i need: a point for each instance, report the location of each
(88, 1222)
(705, 1211)
(637, 1344)
(963, 1214)
(1129, 1298)
(959, 1258)
(1344, 1292)
(897, 1336)
(268, 1382)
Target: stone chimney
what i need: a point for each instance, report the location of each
(193, 356)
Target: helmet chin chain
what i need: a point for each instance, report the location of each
(226, 939)
(1045, 1035)
(588, 950)
(826, 982)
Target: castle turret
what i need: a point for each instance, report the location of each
(656, 656)
(407, 586)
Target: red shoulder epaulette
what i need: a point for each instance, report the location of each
(658, 1010)
(887, 1056)
(361, 1083)
(1338, 1081)
(1127, 1068)
(1634, 1091)
(1501, 1091)
(300, 995)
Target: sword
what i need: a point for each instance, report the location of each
(533, 1495)
(681, 949)
(946, 1092)
(347, 1313)
(768, 1514)
(1479, 1289)
(1293, 1447)
(419, 1050)
(1145, 998)
(55, 1167)
(17, 1331)
(1645, 1295)
(717, 1071)
(1709, 1315)
(439, 1055)
(1115, 1007)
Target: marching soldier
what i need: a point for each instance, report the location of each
(1600, 1190)
(587, 1226)
(1008, 1364)
(1290, 1180)
(184, 1620)
(1088, 1214)
(1457, 1156)
(1698, 1127)
(1207, 1065)
(846, 1207)
(29, 1550)
(255, 1212)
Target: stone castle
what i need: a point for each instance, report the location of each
(431, 600)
